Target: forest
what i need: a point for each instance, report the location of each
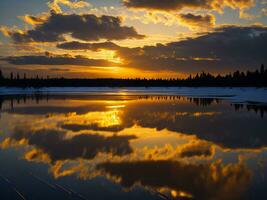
(257, 78)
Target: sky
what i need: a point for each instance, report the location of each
(131, 38)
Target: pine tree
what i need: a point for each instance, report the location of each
(1, 74)
(262, 69)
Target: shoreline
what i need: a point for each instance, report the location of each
(232, 94)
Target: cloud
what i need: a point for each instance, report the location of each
(55, 144)
(88, 46)
(264, 11)
(59, 69)
(46, 110)
(167, 5)
(57, 60)
(122, 52)
(178, 5)
(197, 148)
(87, 27)
(226, 48)
(54, 5)
(34, 20)
(200, 181)
(197, 21)
(94, 126)
(5, 31)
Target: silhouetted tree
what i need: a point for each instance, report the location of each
(257, 78)
(1, 74)
(236, 74)
(262, 69)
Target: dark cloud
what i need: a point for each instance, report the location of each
(95, 127)
(123, 52)
(167, 4)
(197, 21)
(177, 5)
(88, 46)
(57, 60)
(35, 36)
(198, 149)
(86, 27)
(59, 70)
(225, 49)
(87, 146)
(199, 181)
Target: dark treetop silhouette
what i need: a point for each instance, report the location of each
(257, 78)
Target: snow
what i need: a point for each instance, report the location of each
(235, 94)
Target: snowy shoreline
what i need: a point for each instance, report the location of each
(232, 94)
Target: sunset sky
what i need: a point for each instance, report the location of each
(131, 38)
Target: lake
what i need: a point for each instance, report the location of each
(134, 144)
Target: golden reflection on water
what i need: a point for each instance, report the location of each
(164, 145)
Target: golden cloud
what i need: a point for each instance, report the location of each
(54, 5)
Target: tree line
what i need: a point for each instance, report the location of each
(257, 78)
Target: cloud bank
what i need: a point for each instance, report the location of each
(87, 27)
(226, 48)
(178, 5)
(57, 60)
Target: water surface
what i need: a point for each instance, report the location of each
(81, 146)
